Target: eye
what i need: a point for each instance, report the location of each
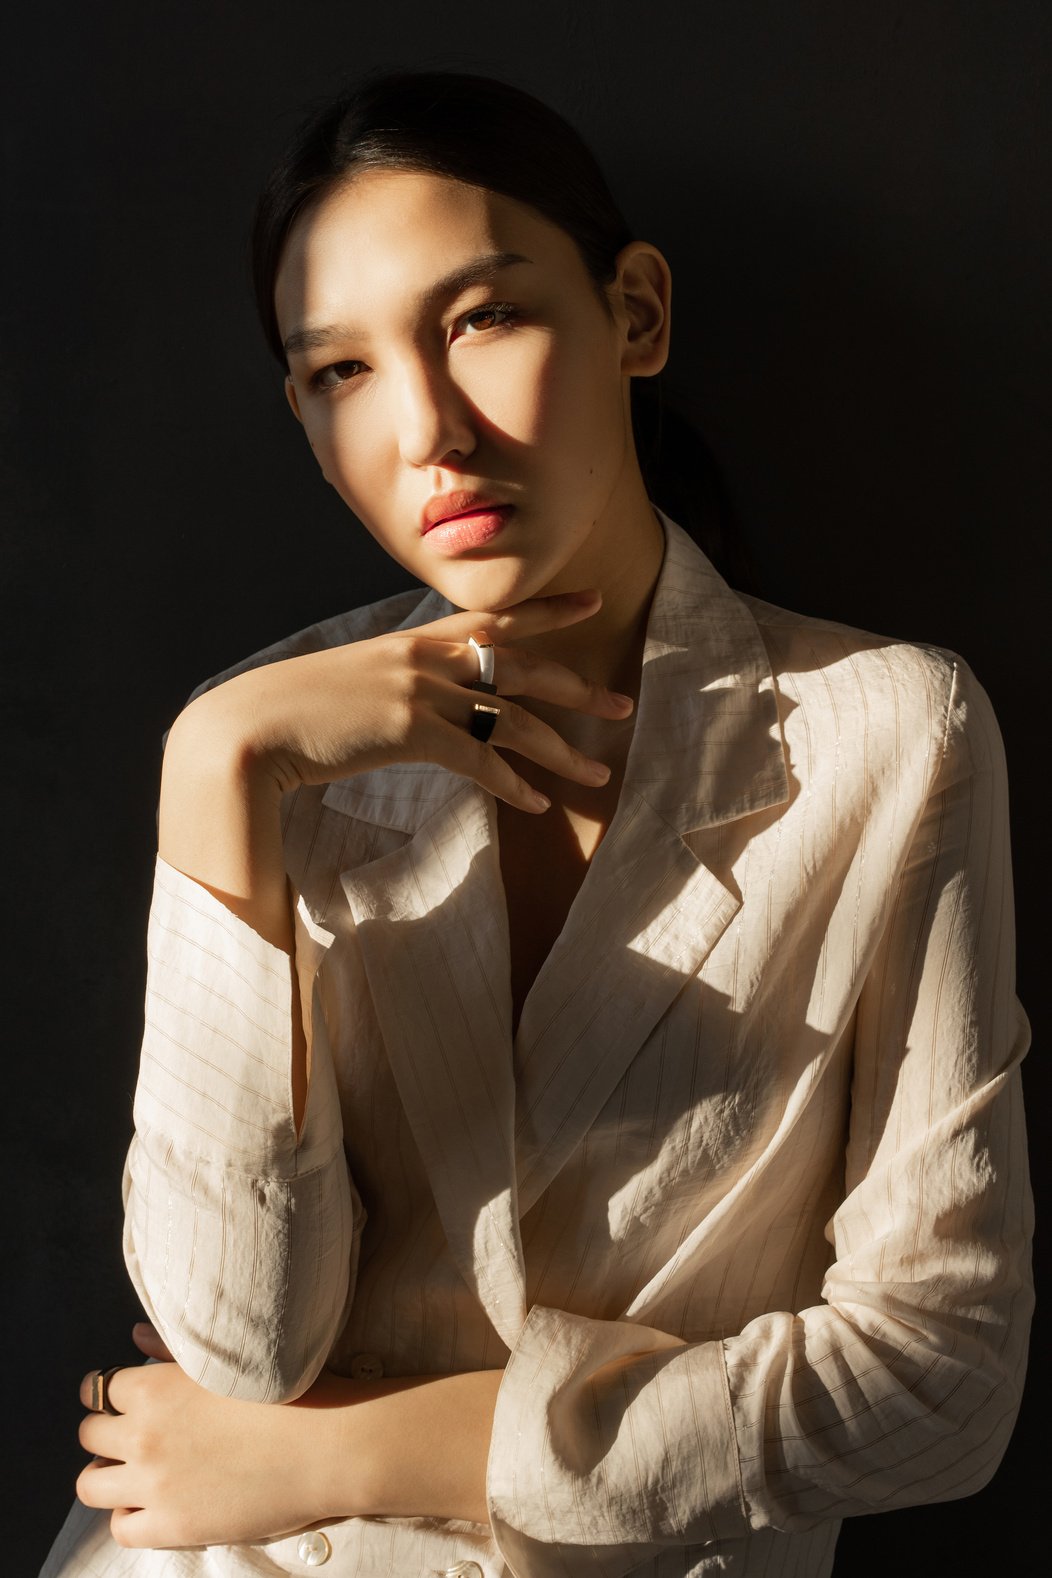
(334, 375)
(494, 315)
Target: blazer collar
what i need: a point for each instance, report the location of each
(707, 745)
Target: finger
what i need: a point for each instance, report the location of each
(516, 730)
(102, 1435)
(148, 1341)
(452, 745)
(518, 671)
(103, 1484)
(134, 1528)
(520, 731)
(491, 772)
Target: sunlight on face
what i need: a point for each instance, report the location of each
(441, 337)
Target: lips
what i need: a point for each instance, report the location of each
(447, 506)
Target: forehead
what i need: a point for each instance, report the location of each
(382, 237)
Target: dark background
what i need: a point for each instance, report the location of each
(853, 198)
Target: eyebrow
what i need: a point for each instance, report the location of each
(444, 289)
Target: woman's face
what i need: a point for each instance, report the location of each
(443, 339)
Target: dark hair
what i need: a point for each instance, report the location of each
(487, 133)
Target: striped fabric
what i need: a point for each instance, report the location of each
(742, 1207)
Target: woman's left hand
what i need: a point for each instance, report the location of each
(180, 1466)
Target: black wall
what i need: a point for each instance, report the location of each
(853, 198)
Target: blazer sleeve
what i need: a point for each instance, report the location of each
(613, 1441)
(240, 1236)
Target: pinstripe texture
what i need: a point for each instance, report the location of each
(742, 1208)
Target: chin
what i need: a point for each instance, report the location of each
(487, 584)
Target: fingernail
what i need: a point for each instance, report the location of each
(622, 701)
(541, 801)
(587, 597)
(599, 771)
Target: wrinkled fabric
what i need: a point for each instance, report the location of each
(741, 1209)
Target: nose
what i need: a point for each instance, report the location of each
(434, 418)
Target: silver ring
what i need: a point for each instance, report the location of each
(482, 647)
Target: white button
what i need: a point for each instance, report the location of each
(367, 1367)
(313, 1548)
(464, 1570)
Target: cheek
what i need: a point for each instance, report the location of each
(577, 399)
(348, 444)
(509, 388)
(541, 388)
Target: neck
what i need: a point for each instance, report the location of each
(608, 647)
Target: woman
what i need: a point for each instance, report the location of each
(594, 1114)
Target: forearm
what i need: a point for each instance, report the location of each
(219, 823)
(219, 813)
(199, 1469)
(403, 1448)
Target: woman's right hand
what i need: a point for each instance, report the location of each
(405, 697)
(400, 697)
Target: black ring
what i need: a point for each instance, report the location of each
(100, 1380)
(483, 721)
(480, 684)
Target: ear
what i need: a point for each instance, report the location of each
(643, 292)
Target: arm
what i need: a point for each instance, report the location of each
(183, 1467)
(613, 1441)
(241, 1226)
(241, 1229)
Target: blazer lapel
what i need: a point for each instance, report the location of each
(645, 918)
(707, 749)
(432, 925)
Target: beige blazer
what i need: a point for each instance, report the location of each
(759, 1128)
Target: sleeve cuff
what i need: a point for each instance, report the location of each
(610, 1435)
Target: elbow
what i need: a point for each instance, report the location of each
(274, 1383)
(268, 1346)
(940, 1406)
(254, 1371)
(983, 1441)
(251, 1292)
(955, 1451)
(975, 1406)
